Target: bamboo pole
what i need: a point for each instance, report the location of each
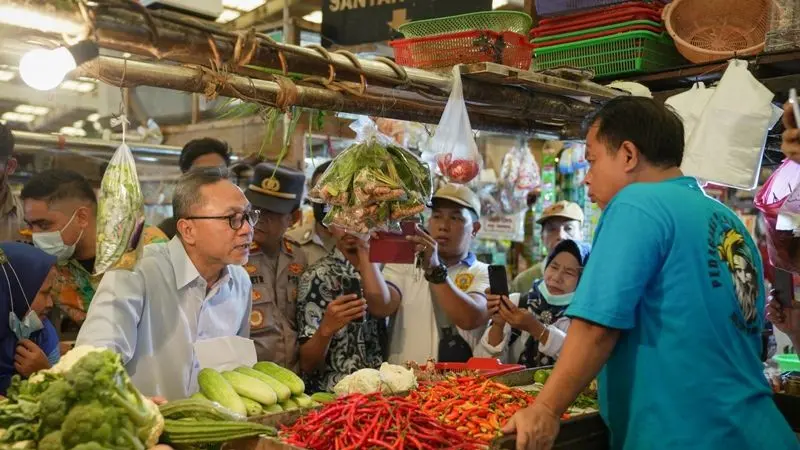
(118, 72)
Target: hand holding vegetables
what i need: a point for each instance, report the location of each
(29, 358)
(340, 312)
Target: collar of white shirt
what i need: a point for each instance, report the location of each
(185, 270)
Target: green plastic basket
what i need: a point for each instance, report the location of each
(497, 21)
(620, 54)
(788, 362)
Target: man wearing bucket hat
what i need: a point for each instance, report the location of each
(561, 220)
(275, 264)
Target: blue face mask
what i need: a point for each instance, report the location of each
(553, 299)
(24, 328)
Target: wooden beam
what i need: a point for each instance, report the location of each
(270, 11)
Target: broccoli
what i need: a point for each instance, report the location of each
(51, 441)
(55, 404)
(89, 446)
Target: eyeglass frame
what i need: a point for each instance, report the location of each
(255, 214)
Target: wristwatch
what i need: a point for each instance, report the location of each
(436, 275)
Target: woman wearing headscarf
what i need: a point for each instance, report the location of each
(28, 341)
(533, 332)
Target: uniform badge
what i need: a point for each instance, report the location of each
(256, 295)
(464, 281)
(296, 268)
(251, 269)
(288, 247)
(256, 319)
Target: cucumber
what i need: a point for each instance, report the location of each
(214, 386)
(272, 409)
(303, 401)
(285, 376)
(281, 390)
(323, 397)
(253, 407)
(199, 396)
(191, 408)
(251, 388)
(290, 405)
(211, 432)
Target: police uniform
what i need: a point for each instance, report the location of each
(273, 322)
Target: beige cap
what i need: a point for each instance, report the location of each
(563, 209)
(460, 194)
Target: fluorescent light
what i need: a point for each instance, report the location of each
(7, 75)
(77, 86)
(94, 117)
(72, 131)
(78, 124)
(499, 3)
(147, 158)
(18, 117)
(228, 15)
(28, 18)
(243, 5)
(314, 17)
(30, 109)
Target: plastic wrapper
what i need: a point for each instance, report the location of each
(457, 156)
(783, 244)
(374, 184)
(120, 214)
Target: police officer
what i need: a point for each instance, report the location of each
(274, 266)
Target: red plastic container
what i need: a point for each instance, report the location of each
(597, 20)
(566, 40)
(487, 367)
(602, 11)
(466, 47)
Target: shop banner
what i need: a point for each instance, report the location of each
(504, 228)
(351, 22)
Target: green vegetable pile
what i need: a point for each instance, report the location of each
(120, 213)
(83, 404)
(373, 184)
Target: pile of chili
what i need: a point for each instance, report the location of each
(361, 421)
(475, 406)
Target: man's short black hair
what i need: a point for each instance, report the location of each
(199, 147)
(6, 143)
(319, 171)
(652, 127)
(58, 184)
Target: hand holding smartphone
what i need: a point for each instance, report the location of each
(498, 280)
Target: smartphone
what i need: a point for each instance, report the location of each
(352, 287)
(498, 280)
(795, 107)
(784, 284)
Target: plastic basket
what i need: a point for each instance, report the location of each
(547, 8)
(564, 38)
(581, 23)
(467, 47)
(787, 362)
(497, 21)
(623, 53)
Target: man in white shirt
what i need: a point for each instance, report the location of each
(445, 317)
(181, 293)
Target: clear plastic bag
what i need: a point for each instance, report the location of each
(783, 246)
(120, 213)
(457, 156)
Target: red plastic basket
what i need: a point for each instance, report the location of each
(597, 20)
(467, 47)
(584, 36)
(487, 367)
(599, 12)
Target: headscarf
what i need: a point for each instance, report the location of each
(23, 269)
(580, 250)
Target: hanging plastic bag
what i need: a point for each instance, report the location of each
(690, 106)
(519, 175)
(374, 184)
(120, 213)
(783, 246)
(457, 156)
(727, 144)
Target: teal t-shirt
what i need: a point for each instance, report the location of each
(679, 274)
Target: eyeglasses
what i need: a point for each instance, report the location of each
(236, 221)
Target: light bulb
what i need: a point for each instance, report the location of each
(44, 69)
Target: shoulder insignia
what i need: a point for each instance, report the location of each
(464, 280)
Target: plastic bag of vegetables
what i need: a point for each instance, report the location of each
(374, 184)
(120, 214)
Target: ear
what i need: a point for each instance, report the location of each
(186, 230)
(84, 215)
(11, 166)
(630, 156)
(476, 227)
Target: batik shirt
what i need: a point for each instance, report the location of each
(354, 347)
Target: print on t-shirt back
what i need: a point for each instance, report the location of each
(731, 255)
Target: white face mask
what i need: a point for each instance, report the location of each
(52, 243)
(31, 323)
(555, 299)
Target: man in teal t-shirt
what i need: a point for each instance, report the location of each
(670, 305)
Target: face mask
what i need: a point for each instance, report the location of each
(52, 243)
(553, 299)
(31, 323)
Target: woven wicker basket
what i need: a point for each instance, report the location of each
(710, 30)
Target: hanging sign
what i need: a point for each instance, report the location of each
(503, 228)
(351, 22)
